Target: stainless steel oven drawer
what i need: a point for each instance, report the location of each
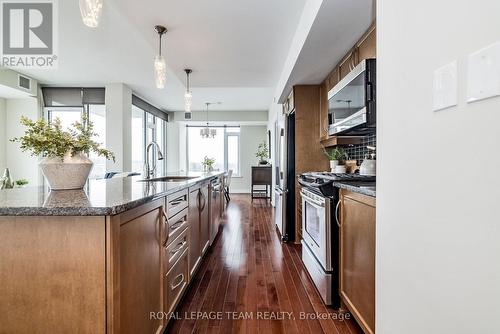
(322, 280)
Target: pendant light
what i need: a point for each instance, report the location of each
(159, 63)
(208, 132)
(91, 12)
(188, 96)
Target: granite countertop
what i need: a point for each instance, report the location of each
(365, 188)
(98, 198)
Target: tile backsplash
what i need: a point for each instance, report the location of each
(358, 152)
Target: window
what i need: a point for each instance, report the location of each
(224, 148)
(145, 129)
(96, 113)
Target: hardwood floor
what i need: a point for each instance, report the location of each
(249, 272)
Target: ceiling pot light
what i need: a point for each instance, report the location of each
(159, 63)
(188, 96)
(91, 12)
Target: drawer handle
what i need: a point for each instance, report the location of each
(177, 201)
(180, 246)
(165, 221)
(178, 224)
(179, 277)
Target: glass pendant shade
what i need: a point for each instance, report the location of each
(91, 12)
(188, 101)
(160, 72)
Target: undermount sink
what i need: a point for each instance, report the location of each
(172, 178)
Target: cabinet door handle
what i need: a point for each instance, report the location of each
(204, 201)
(180, 278)
(180, 245)
(166, 227)
(337, 214)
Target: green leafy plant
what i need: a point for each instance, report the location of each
(262, 152)
(208, 163)
(46, 139)
(337, 153)
(21, 182)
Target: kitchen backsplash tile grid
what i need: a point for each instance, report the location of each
(358, 152)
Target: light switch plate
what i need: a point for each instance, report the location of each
(484, 73)
(445, 86)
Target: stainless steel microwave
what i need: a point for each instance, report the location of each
(351, 103)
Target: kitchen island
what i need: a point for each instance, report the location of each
(115, 257)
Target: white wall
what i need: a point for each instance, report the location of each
(118, 126)
(250, 138)
(21, 164)
(438, 222)
(173, 164)
(3, 136)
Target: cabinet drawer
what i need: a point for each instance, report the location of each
(176, 225)
(175, 282)
(175, 249)
(177, 202)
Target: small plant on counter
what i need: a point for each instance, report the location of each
(49, 140)
(208, 164)
(337, 154)
(262, 153)
(21, 183)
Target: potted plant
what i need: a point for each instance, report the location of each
(21, 183)
(65, 164)
(262, 153)
(337, 157)
(208, 164)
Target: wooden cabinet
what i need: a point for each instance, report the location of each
(140, 236)
(357, 257)
(175, 282)
(204, 219)
(215, 207)
(367, 46)
(199, 225)
(194, 229)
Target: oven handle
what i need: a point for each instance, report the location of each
(312, 201)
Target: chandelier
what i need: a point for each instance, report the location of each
(159, 62)
(91, 12)
(207, 131)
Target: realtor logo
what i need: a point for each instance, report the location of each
(29, 38)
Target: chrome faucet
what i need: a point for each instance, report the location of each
(151, 171)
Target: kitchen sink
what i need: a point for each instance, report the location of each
(169, 179)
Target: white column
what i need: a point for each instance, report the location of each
(118, 126)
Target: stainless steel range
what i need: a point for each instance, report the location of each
(320, 229)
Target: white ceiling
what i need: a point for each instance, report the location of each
(236, 49)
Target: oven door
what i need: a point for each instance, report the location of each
(316, 220)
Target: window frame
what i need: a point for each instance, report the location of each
(162, 141)
(226, 135)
